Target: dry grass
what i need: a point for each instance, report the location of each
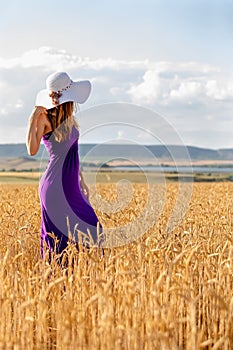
(156, 293)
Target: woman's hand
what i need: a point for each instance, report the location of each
(85, 190)
(84, 187)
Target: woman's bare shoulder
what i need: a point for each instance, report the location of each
(44, 121)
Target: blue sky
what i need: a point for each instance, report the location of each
(173, 57)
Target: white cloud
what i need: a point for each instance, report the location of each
(148, 91)
(54, 59)
(44, 57)
(187, 91)
(214, 91)
(167, 87)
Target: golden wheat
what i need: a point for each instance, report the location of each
(159, 292)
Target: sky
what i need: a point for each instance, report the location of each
(172, 57)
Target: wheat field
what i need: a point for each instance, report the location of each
(159, 292)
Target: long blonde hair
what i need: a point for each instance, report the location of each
(62, 120)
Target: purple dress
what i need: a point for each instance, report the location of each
(65, 211)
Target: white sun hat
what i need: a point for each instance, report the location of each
(60, 89)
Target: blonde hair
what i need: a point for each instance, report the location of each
(62, 120)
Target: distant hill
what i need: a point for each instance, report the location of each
(18, 150)
(16, 156)
(159, 151)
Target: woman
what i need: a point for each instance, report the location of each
(64, 196)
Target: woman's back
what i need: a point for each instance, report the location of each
(64, 207)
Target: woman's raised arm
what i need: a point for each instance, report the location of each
(36, 128)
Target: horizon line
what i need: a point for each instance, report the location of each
(128, 144)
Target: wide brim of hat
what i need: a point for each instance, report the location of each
(78, 92)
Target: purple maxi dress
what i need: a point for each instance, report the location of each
(64, 208)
